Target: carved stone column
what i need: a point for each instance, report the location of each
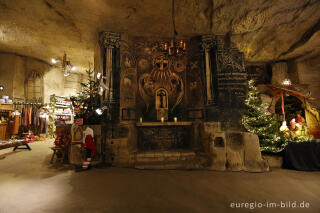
(208, 42)
(110, 41)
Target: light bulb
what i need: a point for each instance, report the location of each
(53, 60)
(286, 82)
(98, 75)
(99, 111)
(73, 68)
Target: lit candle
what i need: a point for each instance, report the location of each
(177, 51)
(175, 119)
(181, 43)
(184, 46)
(169, 51)
(162, 119)
(140, 119)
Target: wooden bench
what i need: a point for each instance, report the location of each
(16, 144)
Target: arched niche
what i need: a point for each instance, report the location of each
(161, 105)
(34, 86)
(161, 98)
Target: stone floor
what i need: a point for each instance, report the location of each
(28, 183)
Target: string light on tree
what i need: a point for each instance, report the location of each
(260, 121)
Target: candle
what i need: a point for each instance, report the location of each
(184, 46)
(165, 46)
(140, 119)
(162, 119)
(169, 51)
(181, 43)
(175, 119)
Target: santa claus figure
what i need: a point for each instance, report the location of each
(88, 144)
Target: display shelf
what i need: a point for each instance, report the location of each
(6, 106)
(65, 104)
(58, 106)
(5, 113)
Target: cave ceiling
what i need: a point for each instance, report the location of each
(265, 30)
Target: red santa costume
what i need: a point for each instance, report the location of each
(88, 143)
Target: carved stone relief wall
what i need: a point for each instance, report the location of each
(156, 70)
(231, 75)
(211, 73)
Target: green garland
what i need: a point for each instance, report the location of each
(52, 126)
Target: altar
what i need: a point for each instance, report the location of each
(164, 135)
(169, 111)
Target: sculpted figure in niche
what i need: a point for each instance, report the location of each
(161, 99)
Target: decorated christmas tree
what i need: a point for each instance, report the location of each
(260, 121)
(87, 101)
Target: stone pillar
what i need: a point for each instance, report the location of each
(208, 42)
(110, 41)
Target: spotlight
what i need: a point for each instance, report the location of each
(1, 87)
(283, 126)
(98, 75)
(99, 111)
(53, 60)
(73, 68)
(286, 82)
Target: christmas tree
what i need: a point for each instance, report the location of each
(87, 101)
(260, 121)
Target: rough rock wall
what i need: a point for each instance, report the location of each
(264, 30)
(309, 73)
(279, 72)
(15, 69)
(9, 64)
(229, 150)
